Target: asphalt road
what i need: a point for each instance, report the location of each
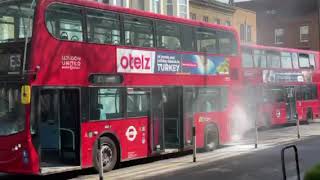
(262, 165)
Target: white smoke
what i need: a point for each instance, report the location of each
(241, 123)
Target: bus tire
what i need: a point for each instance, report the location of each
(110, 155)
(211, 138)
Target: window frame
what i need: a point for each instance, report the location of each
(132, 16)
(146, 92)
(276, 36)
(83, 21)
(305, 56)
(122, 100)
(217, 33)
(270, 59)
(85, 11)
(286, 55)
(118, 15)
(249, 53)
(301, 35)
(156, 24)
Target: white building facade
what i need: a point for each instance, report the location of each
(179, 8)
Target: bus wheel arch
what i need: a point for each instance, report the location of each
(211, 137)
(111, 145)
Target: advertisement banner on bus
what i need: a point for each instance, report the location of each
(149, 62)
(271, 76)
(135, 61)
(168, 63)
(198, 64)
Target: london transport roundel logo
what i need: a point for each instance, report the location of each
(131, 133)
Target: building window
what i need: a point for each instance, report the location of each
(228, 23)
(205, 18)
(137, 4)
(183, 8)
(114, 2)
(120, 3)
(156, 6)
(104, 1)
(242, 32)
(304, 33)
(170, 8)
(249, 31)
(193, 16)
(278, 36)
(217, 21)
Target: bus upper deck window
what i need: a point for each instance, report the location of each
(65, 22)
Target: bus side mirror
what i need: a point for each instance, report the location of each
(25, 94)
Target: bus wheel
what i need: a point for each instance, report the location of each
(109, 155)
(211, 138)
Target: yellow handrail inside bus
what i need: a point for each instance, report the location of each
(25, 94)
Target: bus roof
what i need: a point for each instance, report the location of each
(261, 47)
(99, 5)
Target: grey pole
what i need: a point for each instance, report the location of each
(100, 159)
(256, 103)
(256, 133)
(298, 128)
(194, 144)
(256, 129)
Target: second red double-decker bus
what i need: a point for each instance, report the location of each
(281, 80)
(86, 71)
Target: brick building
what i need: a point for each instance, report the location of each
(286, 23)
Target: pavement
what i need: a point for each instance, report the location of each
(262, 165)
(268, 139)
(171, 167)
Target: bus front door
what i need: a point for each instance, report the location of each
(173, 124)
(49, 121)
(291, 106)
(59, 121)
(157, 120)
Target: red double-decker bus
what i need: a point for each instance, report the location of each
(281, 80)
(74, 71)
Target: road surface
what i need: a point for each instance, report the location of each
(237, 160)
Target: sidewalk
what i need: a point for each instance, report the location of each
(267, 139)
